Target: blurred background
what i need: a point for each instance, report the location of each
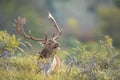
(86, 21)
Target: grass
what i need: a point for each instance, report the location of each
(24, 68)
(82, 62)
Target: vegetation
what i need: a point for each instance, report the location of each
(83, 62)
(110, 23)
(7, 42)
(99, 63)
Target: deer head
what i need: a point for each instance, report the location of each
(50, 45)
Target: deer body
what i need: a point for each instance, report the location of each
(55, 65)
(49, 65)
(48, 61)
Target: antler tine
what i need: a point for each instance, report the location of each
(53, 35)
(55, 25)
(19, 28)
(46, 39)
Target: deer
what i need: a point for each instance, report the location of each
(48, 60)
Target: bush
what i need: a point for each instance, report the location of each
(8, 45)
(101, 63)
(110, 24)
(7, 42)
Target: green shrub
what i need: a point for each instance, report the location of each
(7, 42)
(101, 62)
(8, 45)
(110, 24)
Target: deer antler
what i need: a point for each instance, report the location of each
(56, 26)
(19, 28)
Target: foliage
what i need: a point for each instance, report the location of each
(100, 63)
(83, 62)
(110, 18)
(7, 42)
(8, 45)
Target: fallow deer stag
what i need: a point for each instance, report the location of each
(50, 45)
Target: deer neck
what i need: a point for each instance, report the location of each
(45, 53)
